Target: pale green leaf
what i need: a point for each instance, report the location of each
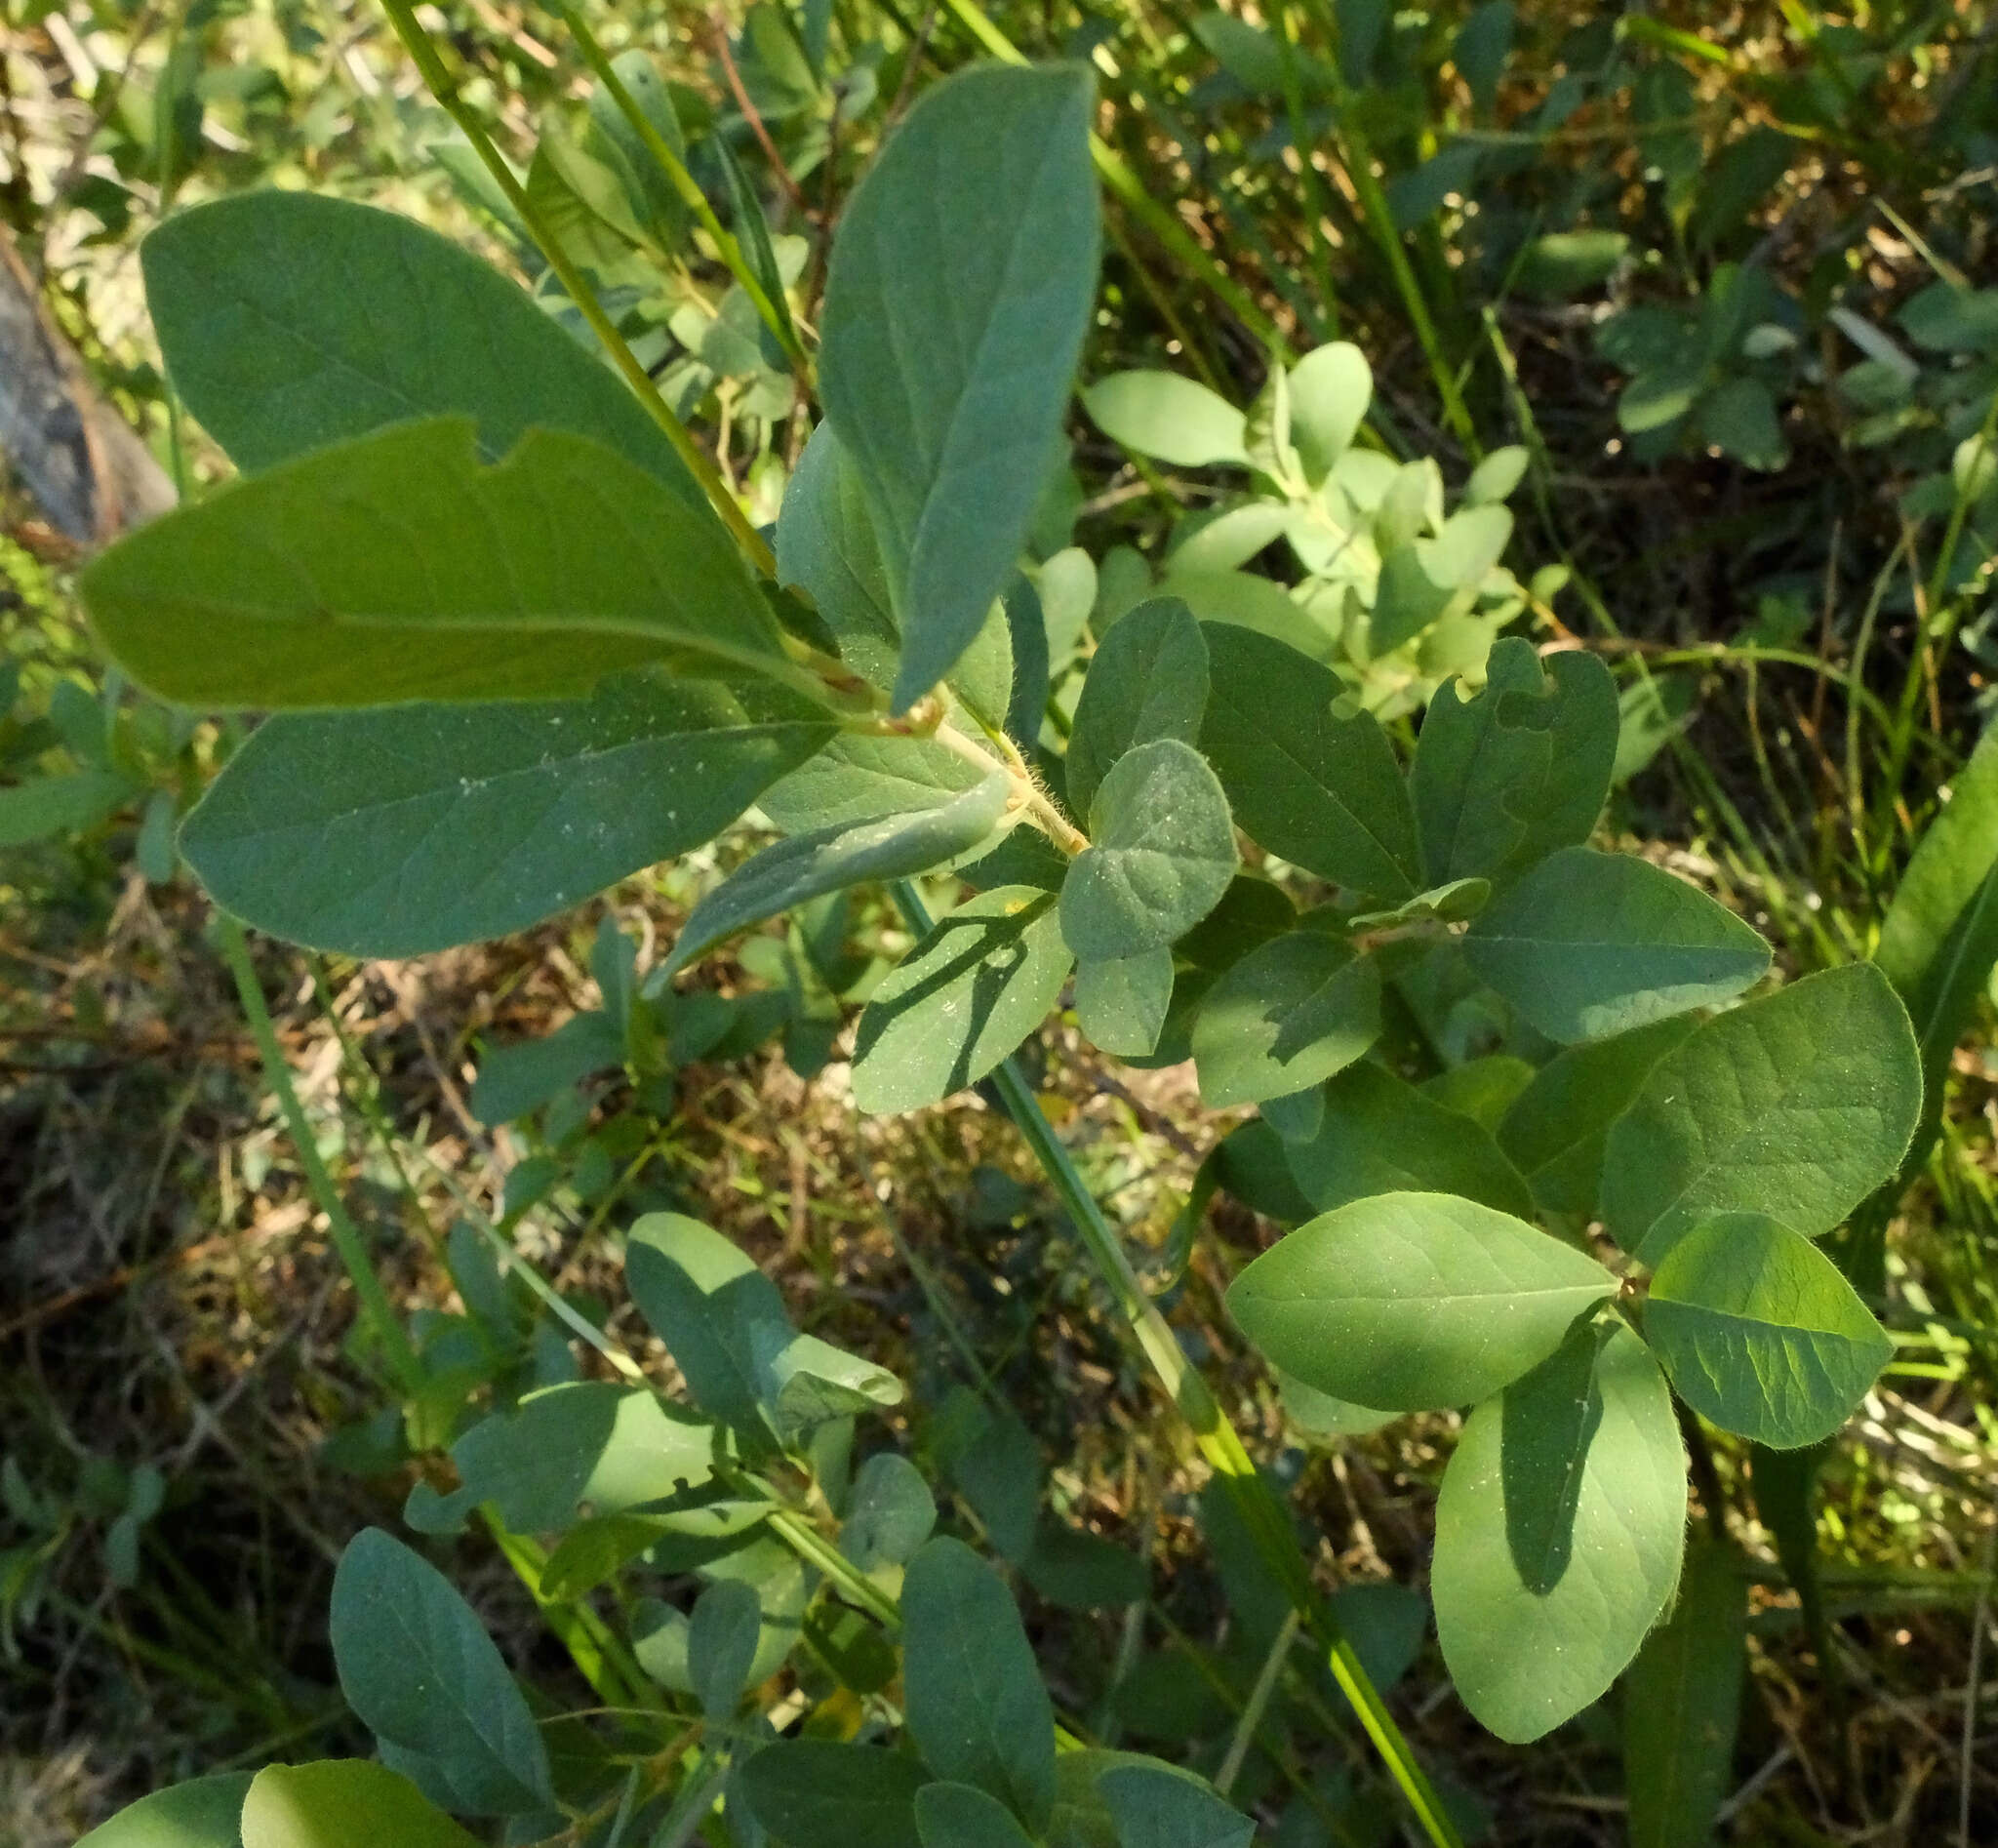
(400, 567)
(202, 1813)
(1286, 1017)
(1760, 1334)
(1553, 1131)
(1121, 1004)
(1588, 944)
(1174, 419)
(862, 779)
(819, 1793)
(1380, 1135)
(1147, 680)
(1331, 388)
(963, 1816)
(343, 1803)
(291, 321)
(422, 1673)
(1161, 854)
(974, 1703)
(965, 998)
(831, 859)
(1797, 1104)
(1412, 1301)
(959, 293)
(409, 828)
(1682, 1700)
(1559, 1532)
(1310, 783)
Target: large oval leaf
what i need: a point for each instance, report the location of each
(1760, 1333)
(291, 321)
(955, 307)
(344, 1803)
(1797, 1104)
(1412, 1301)
(409, 828)
(400, 567)
(1147, 680)
(202, 1813)
(1559, 1532)
(1588, 944)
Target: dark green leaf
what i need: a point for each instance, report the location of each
(516, 1079)
(831, 859)
(960, 289)
(1122, 1004)
(818, 1794)
(1411, 1301)
(400, 567)
(1381, 1135)
(721, 1644)
(1760, 1334)
(961, 1000)
(1797, 1104)
(1161, 854)
(1588, 944)
(976, 1706)
(1682, 1697)
(1553, 1132)
(1158, 1807)
(963, 1816)
(1504, 779)
(291, 321)
(1559, 1531)
(422, 1673)
(343, 1803)
(1285, 1018)
(889, 1513)
(201, 1813)
(1081, 1571)
(56, 805)
(1147, 680)
(1321, 790)
(398, 831)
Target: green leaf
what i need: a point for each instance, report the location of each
(725, 1324)
(1147, 680)
(1939, 938)
(1331, 388)
(344, 1803)
(513, 1080)
(1558, 1533)
(1174, 419)
(399, 566)
(291, 321)
(1504, 779)
(1121, 1004)
(1380, 1135)
(960, 289)
(1155, 1806)
(1162, 852)
(721, 1644)
(1588, 944)
(1286, 1017)
(1738, 417)
(1681, 1700)
(889, 1513)
(58, 805)
(963, 1816)
(1319, 788)
(971, 991)
(861, 779)
(1413, 1300)
(586, 1441)
(1797, 1104)
(1081, 1571)
(666, 212)
(1760, 1334)
(410, 828)
(201, 1813)
(831, 859)
(423, 1677)
(974, 1703)
(1553, 1133)
(818, 1794)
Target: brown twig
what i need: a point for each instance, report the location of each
(749, 115)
